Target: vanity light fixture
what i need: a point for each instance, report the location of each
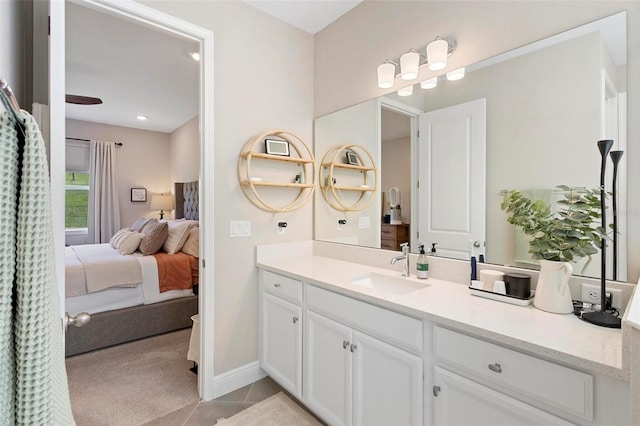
(406, 91)
(455, 74)
(437, 52)
(409, 65)
(430, 83)
(386, 74)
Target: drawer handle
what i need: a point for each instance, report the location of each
(295, 320)
(276, 285)
(436, 390)
(353, 348)
(495, 367)
(345, 344)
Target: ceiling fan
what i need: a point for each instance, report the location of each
(82, 100)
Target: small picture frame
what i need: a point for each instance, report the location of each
(352, 158)
(138, 195)
(276, 147)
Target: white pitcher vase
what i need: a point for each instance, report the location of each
(552, 290)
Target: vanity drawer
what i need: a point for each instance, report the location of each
(395, 328)
(546, 382)
(282, 286)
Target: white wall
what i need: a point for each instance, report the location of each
(482, 29)
(13, 48)
(184, 152)
(143, 161)
(263, 79)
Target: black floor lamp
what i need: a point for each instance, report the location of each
(602, 317)
(616, 156)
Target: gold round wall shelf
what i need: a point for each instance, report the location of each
(348, 159)
(287, 150)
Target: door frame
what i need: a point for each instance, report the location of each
(414, 117)
(145, 15)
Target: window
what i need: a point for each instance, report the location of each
(76, 206)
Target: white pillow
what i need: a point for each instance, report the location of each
(130, 243)
(118, 236)
(178, 233)
(192, 245)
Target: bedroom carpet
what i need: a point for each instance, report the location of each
(133, 383)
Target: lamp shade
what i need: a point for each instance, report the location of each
(409, 64)
(161, 202)
(437, 52)
(386, 75)
(456, 74)
(429, 84)
(406, 91)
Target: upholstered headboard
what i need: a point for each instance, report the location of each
(186, 197)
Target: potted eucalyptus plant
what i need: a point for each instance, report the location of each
(557, 238)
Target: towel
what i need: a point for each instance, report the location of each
(521, 244)
(33, 381)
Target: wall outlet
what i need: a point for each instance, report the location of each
(591, 294)
(342, 223)
(281, 226)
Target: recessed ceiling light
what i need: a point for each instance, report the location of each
(142, 117)
(195, 55)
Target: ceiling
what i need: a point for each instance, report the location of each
(308, 15)
(138, 70)
(135, 70)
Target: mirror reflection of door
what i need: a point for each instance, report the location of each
(452, 179)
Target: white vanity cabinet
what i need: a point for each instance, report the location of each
(477, 382)
(353, 371)
(281, 331)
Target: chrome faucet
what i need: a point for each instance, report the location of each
(405, 257)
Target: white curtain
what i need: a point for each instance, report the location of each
(104, 209)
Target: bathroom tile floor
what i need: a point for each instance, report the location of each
(207, 413)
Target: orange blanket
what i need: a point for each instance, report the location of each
(175, 271)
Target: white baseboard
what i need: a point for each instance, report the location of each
(237, 378)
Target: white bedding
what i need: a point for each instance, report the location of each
(105, 267)
(146, 293)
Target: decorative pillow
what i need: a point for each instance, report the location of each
(130, 243)
(155, 234)
(178, 233)
(117, 237)
(139, 224)
(192, 245)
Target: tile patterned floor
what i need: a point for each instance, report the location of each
(207, 413)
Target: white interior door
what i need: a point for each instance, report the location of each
(452, 179)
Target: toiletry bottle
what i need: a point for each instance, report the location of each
(302, 176)
(422, 267)
(433, 249)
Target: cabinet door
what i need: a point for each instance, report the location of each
(387, 384)
(281, 342)
(460, 401)
(327, 372)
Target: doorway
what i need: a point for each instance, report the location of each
(149, 18)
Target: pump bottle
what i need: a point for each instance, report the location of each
(422, 267)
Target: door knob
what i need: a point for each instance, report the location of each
(80, 320)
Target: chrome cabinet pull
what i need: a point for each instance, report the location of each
(353, 348)
(276, 285)
(345, 344)
(295, 320)
(495, 367)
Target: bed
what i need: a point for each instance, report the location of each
(132, 296)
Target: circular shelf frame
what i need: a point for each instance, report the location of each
(304, 157)
(332, 193)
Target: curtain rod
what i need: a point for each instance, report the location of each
(87, 140)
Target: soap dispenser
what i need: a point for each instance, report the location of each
(433, 250)
(422, 266)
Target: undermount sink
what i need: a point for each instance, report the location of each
(386, 283)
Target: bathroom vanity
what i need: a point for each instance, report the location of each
(362, 345)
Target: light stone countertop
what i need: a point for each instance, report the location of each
(562, 338)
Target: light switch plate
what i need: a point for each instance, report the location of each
(239, 228)
(364, 222)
